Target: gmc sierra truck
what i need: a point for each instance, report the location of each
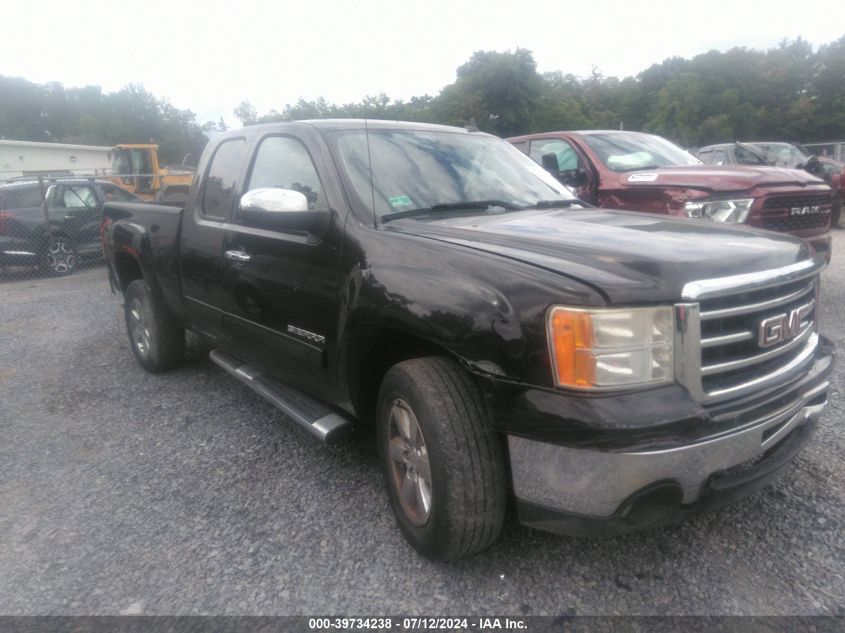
(643, 172)
(609, 370)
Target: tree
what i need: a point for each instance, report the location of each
(789, 92)
(246, 113)
(497, 90)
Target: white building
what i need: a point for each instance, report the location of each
(28, 158)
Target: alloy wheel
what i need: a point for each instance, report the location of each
(410, 469)
(139, 331)
(61, 257)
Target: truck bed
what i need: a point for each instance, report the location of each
(149, 234)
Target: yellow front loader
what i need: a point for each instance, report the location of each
(136, 168)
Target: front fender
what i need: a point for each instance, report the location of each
(489, 313)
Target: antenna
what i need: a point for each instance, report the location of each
(370, 161)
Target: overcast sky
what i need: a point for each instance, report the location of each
(208, 56)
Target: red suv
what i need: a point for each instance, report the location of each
(644, 172)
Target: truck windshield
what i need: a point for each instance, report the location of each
(131, 161)
(783, 154)
(417, 170)
(630, 151)
(122, 163)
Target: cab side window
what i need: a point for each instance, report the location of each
(21, 198)
(522, 146)
(719, 157)
(567, 159)
(283, 162)
(745, 157)
(77, 197)
(221, 179)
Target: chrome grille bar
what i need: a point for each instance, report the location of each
(762, 381)
(706, 288)
(757, 307)
(727, 339)
(718, 352)
(709, 370)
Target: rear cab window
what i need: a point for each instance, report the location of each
(220, 186)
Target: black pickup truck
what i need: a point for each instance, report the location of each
(608, 370)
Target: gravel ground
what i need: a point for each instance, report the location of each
(123, 492)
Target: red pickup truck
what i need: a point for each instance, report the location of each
(643, 172)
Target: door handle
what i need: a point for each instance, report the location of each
(237, 256)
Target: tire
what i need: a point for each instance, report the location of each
(456, 458)
(157, 340)
(60, 258)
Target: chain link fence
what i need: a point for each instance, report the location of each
(50, 225)
(835, 150)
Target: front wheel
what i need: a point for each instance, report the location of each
(443, 465)
(157, 340)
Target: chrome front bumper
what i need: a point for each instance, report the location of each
(593, 483)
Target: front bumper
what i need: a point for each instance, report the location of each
(583, 489)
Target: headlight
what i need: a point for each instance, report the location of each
(732, 211)
(604, 348)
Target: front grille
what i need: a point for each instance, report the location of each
(803, 200)
(796, 222)
(796, 212)
(732, 353)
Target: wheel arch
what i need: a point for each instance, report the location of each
(372, 349)
(126, 269)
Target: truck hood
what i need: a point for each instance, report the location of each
(628, 257)
(718, 178)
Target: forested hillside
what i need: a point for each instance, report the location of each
(791, 92)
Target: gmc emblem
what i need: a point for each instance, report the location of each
(782, 327)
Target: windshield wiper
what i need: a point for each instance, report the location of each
(553, 204)
(469, 205)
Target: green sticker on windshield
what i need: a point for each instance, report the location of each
(400, 201)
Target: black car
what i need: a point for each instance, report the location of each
(55, 235)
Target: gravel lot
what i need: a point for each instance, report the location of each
(123, 492)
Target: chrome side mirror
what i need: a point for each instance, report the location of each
(282, 210)
(274, 200)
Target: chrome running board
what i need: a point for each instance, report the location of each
(324, 423)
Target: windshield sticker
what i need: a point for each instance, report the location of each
(400, 201)
(642, 177)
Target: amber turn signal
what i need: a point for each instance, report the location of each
(607, 348)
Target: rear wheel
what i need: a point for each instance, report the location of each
(443, 465)
(60, 258)
(157, 340)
